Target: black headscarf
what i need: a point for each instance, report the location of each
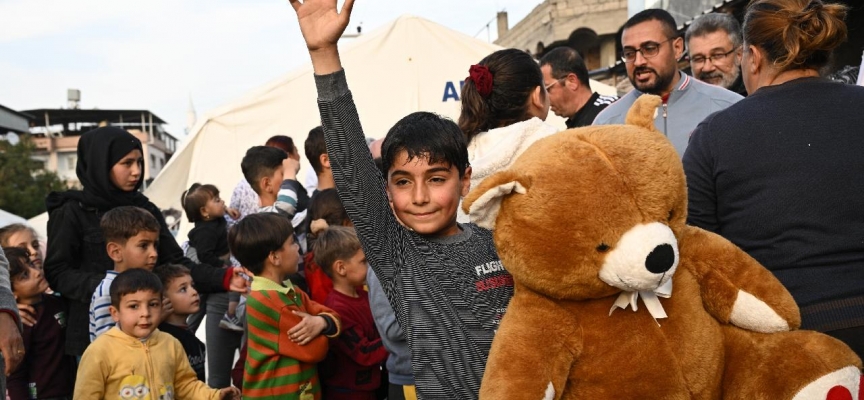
(98, 151)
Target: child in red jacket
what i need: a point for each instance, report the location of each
(352, 370)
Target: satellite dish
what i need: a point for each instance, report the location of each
(12, 138)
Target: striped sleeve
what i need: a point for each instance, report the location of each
(286, 199)
(359, 182)
(100, 314)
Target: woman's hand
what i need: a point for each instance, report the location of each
(322, 26)
(320, 23)
(233, 213)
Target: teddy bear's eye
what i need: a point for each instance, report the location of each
(603, 247)
(671, 213)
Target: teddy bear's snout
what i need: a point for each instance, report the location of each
(644, 258)
(660, 259)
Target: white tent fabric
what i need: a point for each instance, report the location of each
(409, 65)
(7, 218)
(40, 225)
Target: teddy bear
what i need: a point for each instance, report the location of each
(617, 298)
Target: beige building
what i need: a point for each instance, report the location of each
(585, 25)
(56, 133)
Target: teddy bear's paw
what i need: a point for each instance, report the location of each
(753, 314)
(837, 385)
(550, 392)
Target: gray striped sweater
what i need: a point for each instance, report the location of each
(449, 293)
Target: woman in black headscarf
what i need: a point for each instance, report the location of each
(110, 168)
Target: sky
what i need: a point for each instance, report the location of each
(159, 54)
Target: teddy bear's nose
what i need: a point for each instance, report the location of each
(660, 259)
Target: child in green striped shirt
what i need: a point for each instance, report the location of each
(285, 340)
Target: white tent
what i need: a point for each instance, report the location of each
(7, 218)
(409, 65)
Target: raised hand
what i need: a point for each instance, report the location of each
(320, 23)
(322, 26)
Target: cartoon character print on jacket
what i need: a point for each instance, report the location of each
(134, 387)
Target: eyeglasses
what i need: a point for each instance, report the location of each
(648, 50)
(549, 86)
(714, 58)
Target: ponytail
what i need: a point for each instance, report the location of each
(514, 77)
(795, 34)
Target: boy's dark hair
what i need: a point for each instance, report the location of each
(261, 161)
(429, 135)
(169, 272)
(19, 262)
(283, 143)
(564, 61)
(121, 223)
(670, 28)
(515, 76)
(314, 147)
(333, 244)
(131, 281)
(195, 198)
(257, 235)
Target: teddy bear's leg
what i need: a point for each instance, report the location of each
(795, 365)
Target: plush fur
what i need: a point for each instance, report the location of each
(585, 223)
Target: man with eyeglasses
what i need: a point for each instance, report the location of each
(570, 95)
(714, 43)
(652, 49)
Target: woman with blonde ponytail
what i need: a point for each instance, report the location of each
(504, 106)
(781, 173)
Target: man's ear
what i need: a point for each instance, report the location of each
(115, 251)
(115, 314)
(572, 82)
(484, 202)
(678, 47)
(324, 159)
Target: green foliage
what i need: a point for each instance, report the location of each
(23, 182)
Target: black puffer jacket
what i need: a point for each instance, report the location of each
(77, 260)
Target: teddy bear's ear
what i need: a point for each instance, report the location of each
(643, 111)
(484, 201)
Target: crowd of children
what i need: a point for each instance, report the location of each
(371, 288)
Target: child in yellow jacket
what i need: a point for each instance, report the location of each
(134, 360)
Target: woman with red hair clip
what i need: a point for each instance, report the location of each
(504, 106)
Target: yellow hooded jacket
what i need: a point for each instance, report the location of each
(119, 366)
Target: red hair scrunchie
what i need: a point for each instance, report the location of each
(482, 78)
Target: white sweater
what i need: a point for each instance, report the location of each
(497, 149)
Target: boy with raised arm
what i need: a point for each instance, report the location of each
(444, 279)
